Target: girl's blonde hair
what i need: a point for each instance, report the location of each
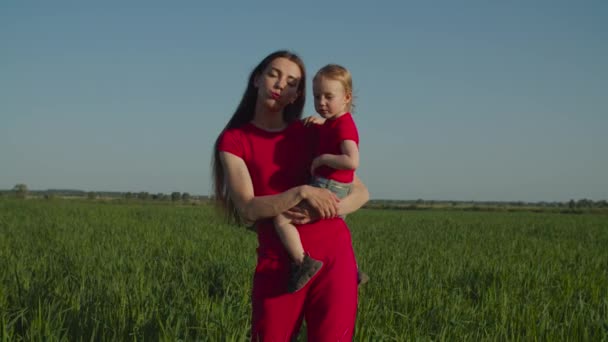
(339, 73)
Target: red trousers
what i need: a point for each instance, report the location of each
(328, 302)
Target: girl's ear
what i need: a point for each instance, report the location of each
(349, 97)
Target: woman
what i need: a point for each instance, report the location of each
(261, 164)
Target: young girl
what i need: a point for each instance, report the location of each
(335, 164)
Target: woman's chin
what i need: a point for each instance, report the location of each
(274, 106)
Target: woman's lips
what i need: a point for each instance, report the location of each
(275, 96)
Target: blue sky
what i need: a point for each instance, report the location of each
(471, 100)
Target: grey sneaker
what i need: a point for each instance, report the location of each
(301, 274)
(362, 277)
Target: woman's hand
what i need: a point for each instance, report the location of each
(303, 213)
(250, 207)
(358, 196)
(323, 201)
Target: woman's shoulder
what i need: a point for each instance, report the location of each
(237, 132)
(298, 128)
(295, 128)
(231, 139)
(238, 129)
(296, 125)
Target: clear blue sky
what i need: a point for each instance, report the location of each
(475, 100)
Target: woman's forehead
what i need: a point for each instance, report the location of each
(286, 66)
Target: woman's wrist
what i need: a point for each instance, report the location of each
(304, 191)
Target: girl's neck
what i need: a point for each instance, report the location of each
(338, 115)
(268, 120)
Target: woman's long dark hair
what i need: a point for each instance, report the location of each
(244, 113)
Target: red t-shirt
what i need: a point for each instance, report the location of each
(278, 161)
(331, 135)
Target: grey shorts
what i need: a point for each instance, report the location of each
(340, 189)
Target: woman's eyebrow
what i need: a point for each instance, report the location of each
(292, 77)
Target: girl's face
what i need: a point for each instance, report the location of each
(331, 100)
(278, 84)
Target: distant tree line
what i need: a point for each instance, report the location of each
(433, 204)
(174, 196)
(21, 190)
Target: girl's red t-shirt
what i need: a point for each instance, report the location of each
(331, 135)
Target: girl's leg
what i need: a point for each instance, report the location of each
(290, 238)
(304, 267)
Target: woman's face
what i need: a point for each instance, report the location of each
(278, 84)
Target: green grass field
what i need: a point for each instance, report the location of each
(77, 270)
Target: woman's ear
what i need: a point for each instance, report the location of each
(295, 97)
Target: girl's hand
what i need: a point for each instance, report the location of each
(313, 120)
(323, 201)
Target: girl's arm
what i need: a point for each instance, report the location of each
(253, 208)
(348, 160)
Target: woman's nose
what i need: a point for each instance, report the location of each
(280, 83)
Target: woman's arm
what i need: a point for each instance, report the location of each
(356, 199)
(358, 196)
(252, 208)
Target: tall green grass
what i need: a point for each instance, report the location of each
(490, 276)
(74, 270)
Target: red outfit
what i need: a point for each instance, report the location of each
(278, 161)
(331, 135)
